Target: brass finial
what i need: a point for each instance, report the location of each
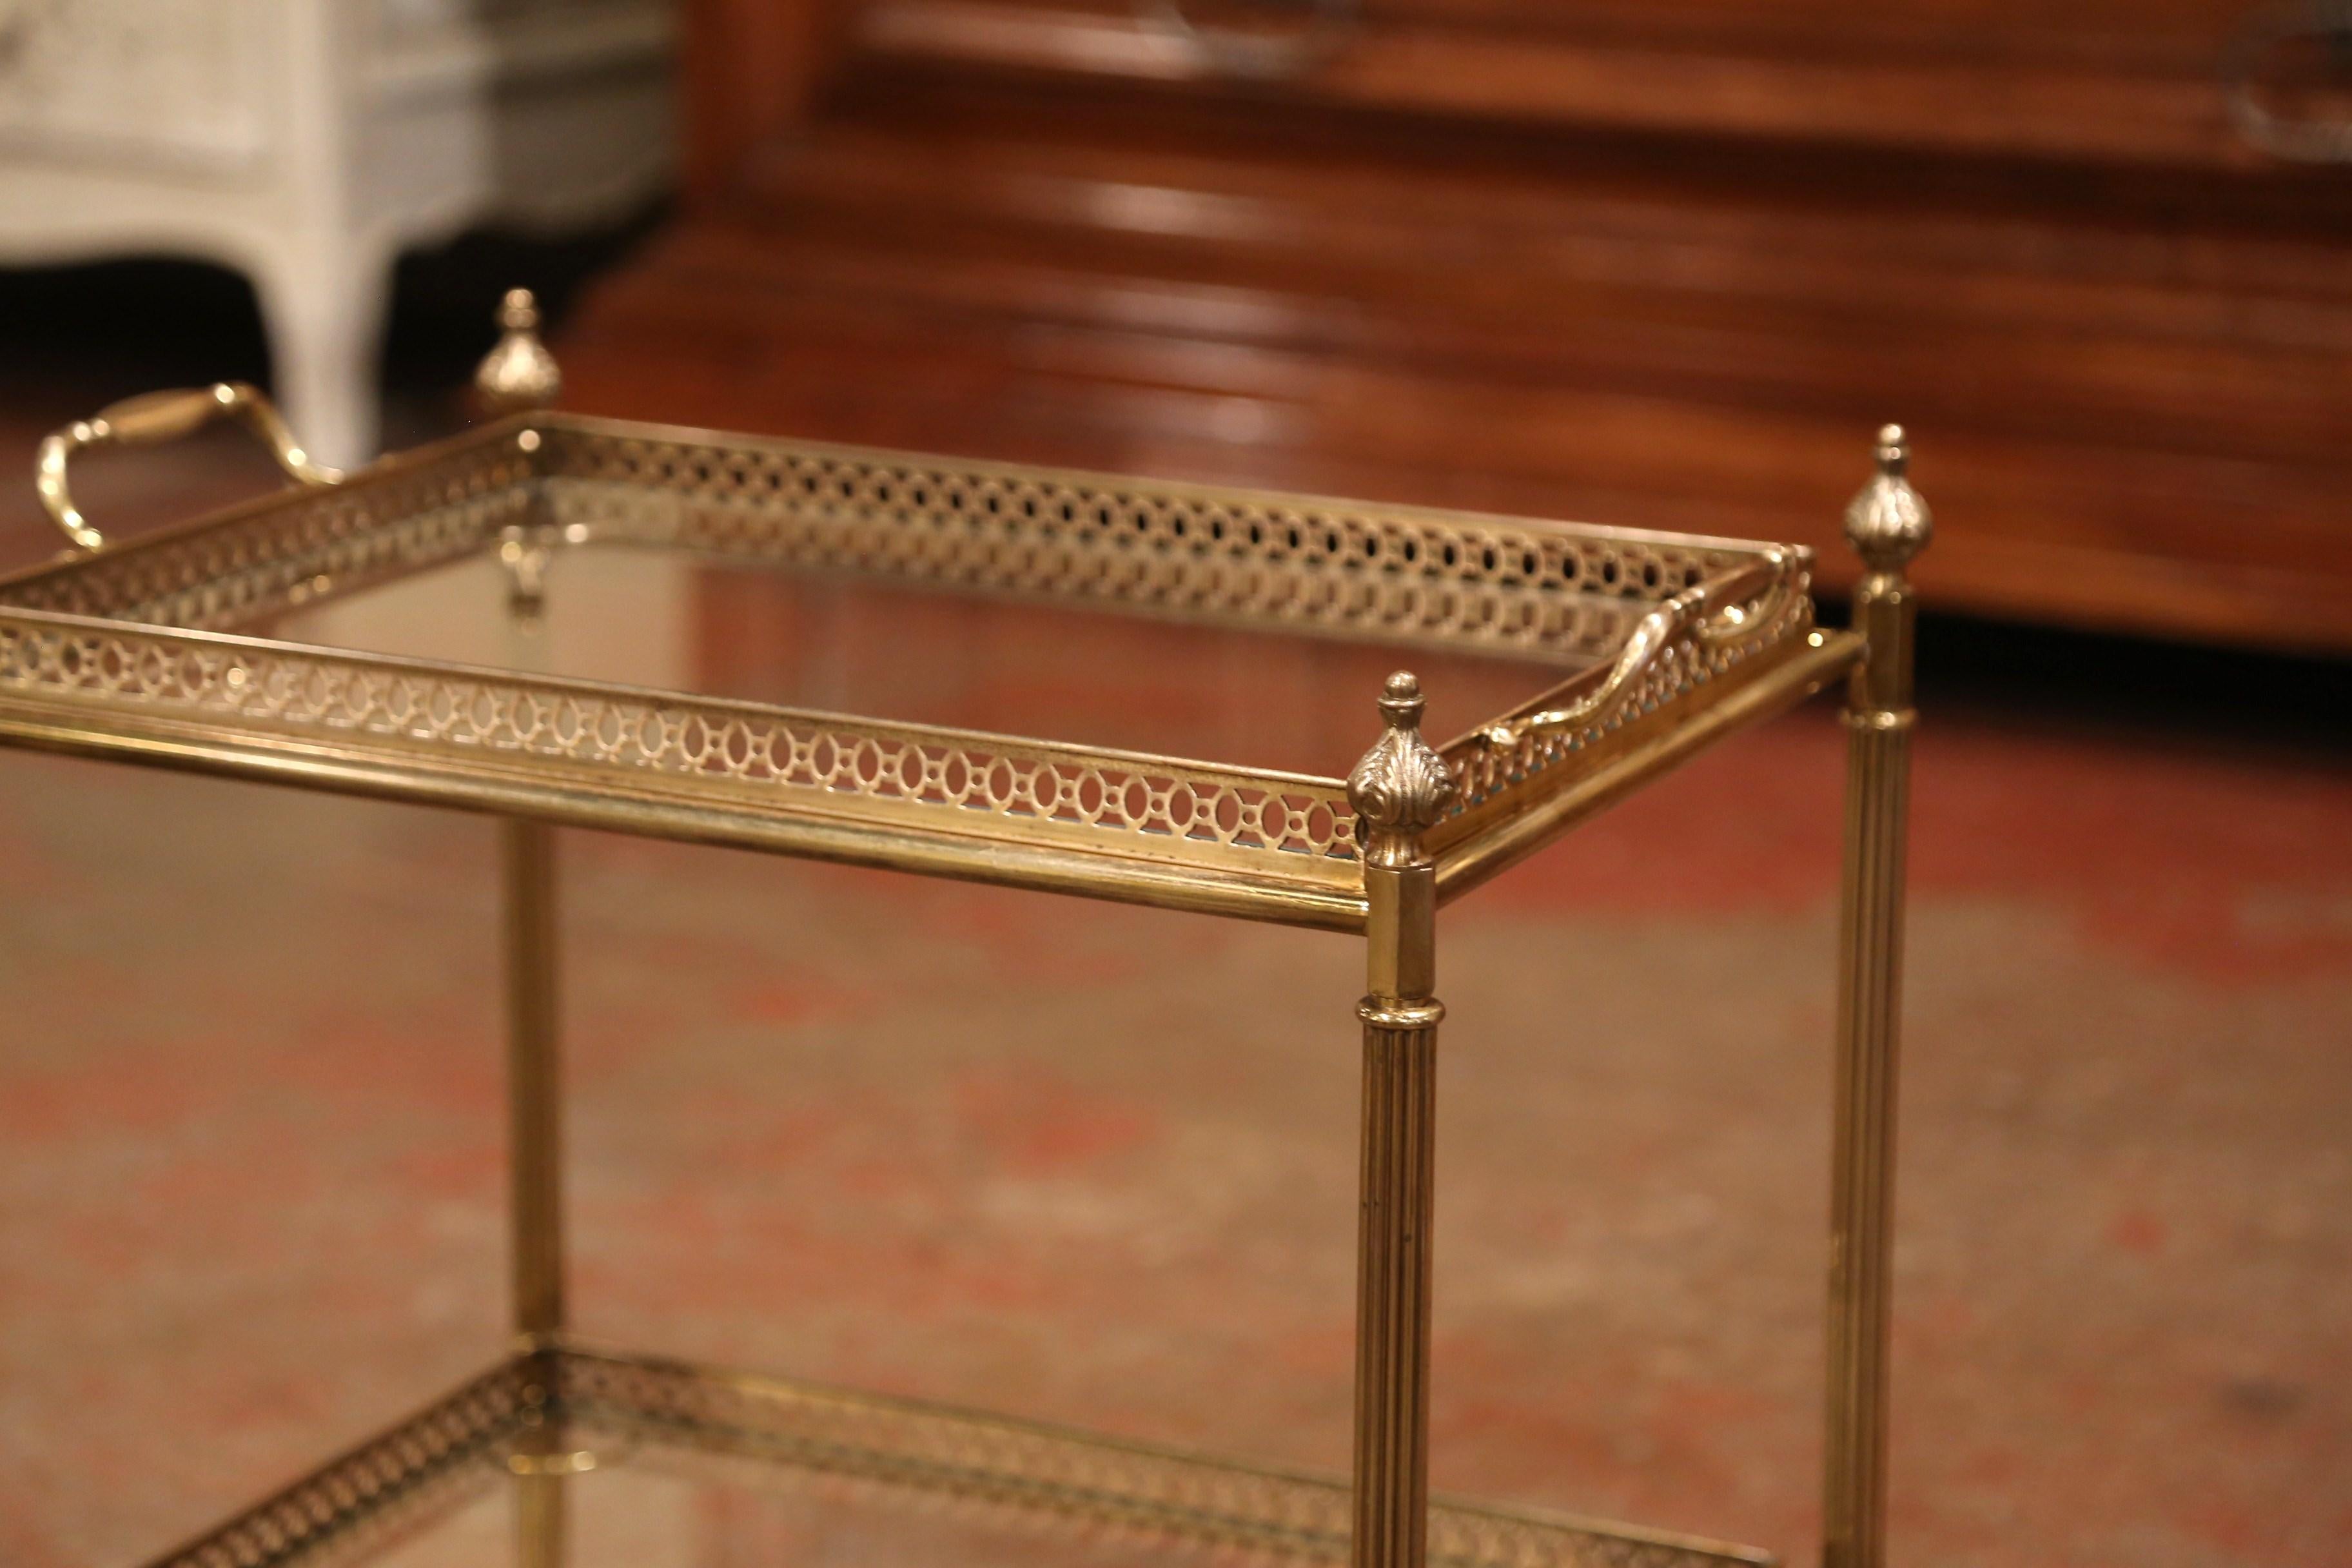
(1401, 787)
(1888, 521)
(519, 373)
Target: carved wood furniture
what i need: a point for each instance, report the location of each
(1591, 659)
(307, 143)
(1623, 259)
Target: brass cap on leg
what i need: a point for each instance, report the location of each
(519, 373)
(1401, 787)
(1888, 523)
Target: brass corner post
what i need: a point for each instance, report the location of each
(1398, 792)
(542, 1523)
(517, 376)
(534, 1079)
(1888, 524)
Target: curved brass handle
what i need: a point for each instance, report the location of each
(1722, 614)
(156, 416)
(1224, 51)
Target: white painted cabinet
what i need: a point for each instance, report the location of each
(306, 142)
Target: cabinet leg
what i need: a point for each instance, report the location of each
(1888, 524)
(324, 312)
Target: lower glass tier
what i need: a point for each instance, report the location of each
(577, 1458)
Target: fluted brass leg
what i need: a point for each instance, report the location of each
(539, 1520)
(1391, 1461)
(1398, 790)
(1888, 523)
(519, 374)
(1863, 1169)
(536, 1209)
(534, 1087)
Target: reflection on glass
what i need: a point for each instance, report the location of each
(647, 617)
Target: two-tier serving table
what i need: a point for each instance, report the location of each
(201, 647)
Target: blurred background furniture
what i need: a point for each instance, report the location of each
(307, 143)
(1658, 261)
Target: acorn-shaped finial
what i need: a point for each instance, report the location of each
(519, 373)
(1401, 699)
(1888, 523)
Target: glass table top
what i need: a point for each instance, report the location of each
(1160, 688)
(907, 652)
(667, 1512)
(649, 1463)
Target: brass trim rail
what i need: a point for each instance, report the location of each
(133, 651)
(1120, 826)
(772, 1432)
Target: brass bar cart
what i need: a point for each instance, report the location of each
(181, 650)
